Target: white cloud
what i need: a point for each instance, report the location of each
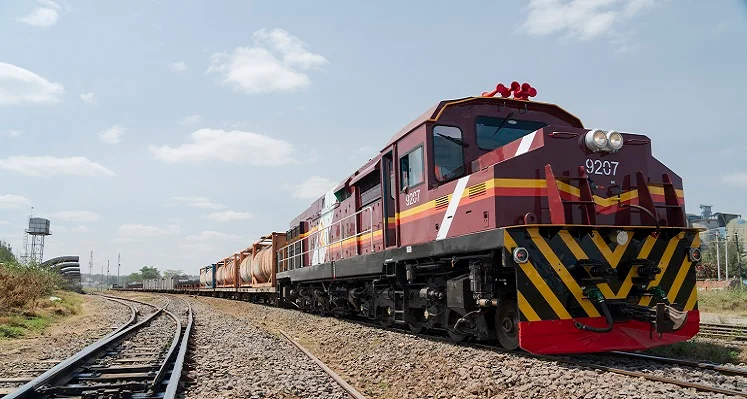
(18, 86)
(178, 66)
(113, 135)
(234, 146)
(277, 62)
(80, 229)
(210, 235)
(229, 216)
(142, 230)
(312, 188)
(58, 229)
(88, 98)
(44, 16)
(4, 222)
(12, 201)
(48, 166)
(735, 179)
(585, 19)
(11, 133)
(199, 202)
(75, 216)
(191, 120)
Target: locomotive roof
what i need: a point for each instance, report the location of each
(432, 114)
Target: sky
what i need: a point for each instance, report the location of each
(177, 132)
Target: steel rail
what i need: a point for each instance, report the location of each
(172, 350)
(689, 363)
(69, 365)
(647, 376)
(345, 386)
(176, 372)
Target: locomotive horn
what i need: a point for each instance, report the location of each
(505, 91)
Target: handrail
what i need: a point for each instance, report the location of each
(285, 260)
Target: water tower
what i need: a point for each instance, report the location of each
(33, 240)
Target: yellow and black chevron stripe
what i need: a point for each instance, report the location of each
(549, 286)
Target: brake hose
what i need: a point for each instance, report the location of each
(597, 297)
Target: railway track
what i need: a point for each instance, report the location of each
(142, 359)
(354, 393)
(599, 362)
(728, 332)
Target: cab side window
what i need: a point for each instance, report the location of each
(448, 152)
(411, 168)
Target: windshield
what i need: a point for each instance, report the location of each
(497, 132)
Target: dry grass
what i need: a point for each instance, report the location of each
(45, 313)
(25, 305)
(729, 301)
(21, 287)
(702, 350)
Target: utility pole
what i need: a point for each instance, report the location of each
(718, 257)
(119, 264)
(739, 259)
(102, 276)
(90, 269)
(726, 256)
(107, 273)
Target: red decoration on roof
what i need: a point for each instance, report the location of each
(520, 91)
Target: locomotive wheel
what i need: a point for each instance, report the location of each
(507, 324)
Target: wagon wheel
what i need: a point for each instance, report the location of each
(454, 335)
(507, 324)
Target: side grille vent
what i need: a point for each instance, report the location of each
(477, 190)
(442, 202)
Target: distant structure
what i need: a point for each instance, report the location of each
(69, 268)
(715, 222)
(33, 240)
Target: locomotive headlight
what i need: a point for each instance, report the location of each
(615, 140)
(596, 140)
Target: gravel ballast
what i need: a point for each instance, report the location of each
(385, 364)
(234, 359)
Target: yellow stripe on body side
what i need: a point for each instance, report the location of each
(562, 272)
(526, 309)
(523, 183)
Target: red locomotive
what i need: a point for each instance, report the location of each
(499, 218)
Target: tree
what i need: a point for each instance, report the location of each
(709, 257)
(173, 273)
(149, 273)
(6, 253)
(133, 277)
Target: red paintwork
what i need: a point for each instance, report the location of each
(561, 336)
